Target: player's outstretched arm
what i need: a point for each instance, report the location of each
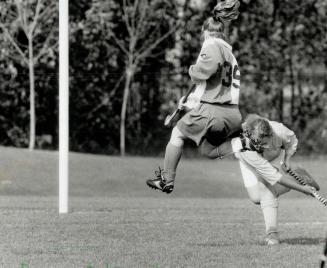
(271, 174)
(290, 183)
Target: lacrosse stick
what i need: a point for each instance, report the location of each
(301, 181)
(177, 114)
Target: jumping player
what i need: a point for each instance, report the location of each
(216, 114)
(263, 149)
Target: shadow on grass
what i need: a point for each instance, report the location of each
(216, 245)
(303, 241)
(289, 241)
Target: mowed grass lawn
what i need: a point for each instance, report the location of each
(116, 221)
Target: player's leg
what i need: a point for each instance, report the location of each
(269, 207)
(173, 154)
(212, 151)
(192, 126)
(262, 193)
(165, 179)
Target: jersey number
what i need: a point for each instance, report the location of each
(230, 74)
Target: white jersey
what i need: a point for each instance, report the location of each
(266, 166)
(216, 73)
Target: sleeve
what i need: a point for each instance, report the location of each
(289, 140)
(207, 62)
(260, 166)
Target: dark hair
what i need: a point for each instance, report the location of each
(226, 10)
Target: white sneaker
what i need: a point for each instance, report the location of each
(272, 239)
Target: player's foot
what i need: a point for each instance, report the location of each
(160, 183)
(272, 239)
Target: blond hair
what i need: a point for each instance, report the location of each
(224, 11)
(257, 127)
(214, 27)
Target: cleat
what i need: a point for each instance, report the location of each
(160, 183)
(272, 239)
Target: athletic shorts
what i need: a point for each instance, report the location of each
(214, 122)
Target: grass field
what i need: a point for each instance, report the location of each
(116, 221)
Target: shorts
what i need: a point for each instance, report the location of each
(214, 122)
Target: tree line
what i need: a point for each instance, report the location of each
(129, 65)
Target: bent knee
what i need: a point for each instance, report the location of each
(208, 150)
(254, 195)
(209, 153)
(213, 152)
(255, 201)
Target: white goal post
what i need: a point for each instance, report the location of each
(63, 104)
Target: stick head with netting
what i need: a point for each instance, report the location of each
(226, 10)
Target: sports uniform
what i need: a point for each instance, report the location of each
(262, 173)
(215, 115)
(267, 167)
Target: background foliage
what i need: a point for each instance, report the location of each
(281, 47)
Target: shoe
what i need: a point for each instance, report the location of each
(160, 183)
(272, 239)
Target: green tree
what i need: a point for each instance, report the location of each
(136, 31)
(30, 30)
(142, 21)
(283, 62)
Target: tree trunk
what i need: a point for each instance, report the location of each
(281, 103)
(300, 120)
(292, 89)
(129, 76)
(32, 94)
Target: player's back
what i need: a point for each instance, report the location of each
(223, 85)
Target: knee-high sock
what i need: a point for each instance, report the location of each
(269, 208)
(172, 156)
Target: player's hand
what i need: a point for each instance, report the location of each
(309, 190)
(192, 102)
(285, 165)
(246, 144)
(286, 162)
(181, 104)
